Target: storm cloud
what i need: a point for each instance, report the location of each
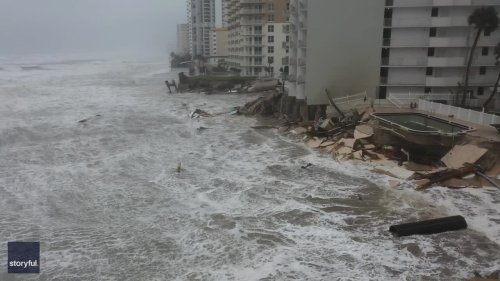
(89, 26)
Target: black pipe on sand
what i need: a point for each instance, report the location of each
(429, 226)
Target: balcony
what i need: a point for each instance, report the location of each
(302, 44)
(388, 42)
(252, 22)
(250, 33)
(446, 61)
(404, 61)
(410, 3)
(252, 1)
(449, 21)
(448, 42)
(411, 22)
(300, 79)
(246, 11)
(443, 81)
(284, 45)
(452, 2)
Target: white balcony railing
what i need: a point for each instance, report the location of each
(446, 61)
(449, 21)
(448, 42)
(442, 81)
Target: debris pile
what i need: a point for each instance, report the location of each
(354, 137)
(265, 105)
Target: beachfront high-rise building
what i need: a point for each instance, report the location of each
(182, 39)
(334, 45)
(387, 47)
(258, 31)
(426, 45)
(201, 19)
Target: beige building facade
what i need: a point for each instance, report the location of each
(256, 35)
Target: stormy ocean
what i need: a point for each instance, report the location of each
(105, 201)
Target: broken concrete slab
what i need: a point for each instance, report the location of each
(363, 132)
(396, 172)
(344, 150)
(347, 142)
(463, 154)
(314, 143)
(394, 183)
(358, 155)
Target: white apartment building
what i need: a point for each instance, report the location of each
(426, 45)
(182, 39)
(334, 45)
(257, 33)
(201, 19)
(387, 47)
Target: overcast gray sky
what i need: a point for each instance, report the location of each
(89, 26)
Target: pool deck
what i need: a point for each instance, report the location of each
(482, 133)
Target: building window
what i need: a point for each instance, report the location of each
(485, 51)
(430, 52)
(270, 60)
(382, 92)
(270, 49)
(435, 12)
(427, 90)
(270, 18)
(433, 32)
(482, 70)
(271, 6)
(389, 2)
(270, 39)
(429, 71)
(480, 91)
(270, 28)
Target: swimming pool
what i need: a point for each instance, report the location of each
(423, 129)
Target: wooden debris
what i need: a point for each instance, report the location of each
(198, 112)
(449, 175)
(416, 167)
(327, 143)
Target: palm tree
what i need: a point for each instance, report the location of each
(484, 19)
(495, 89)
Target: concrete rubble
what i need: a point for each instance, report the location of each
(357, 136)
(460, 167)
